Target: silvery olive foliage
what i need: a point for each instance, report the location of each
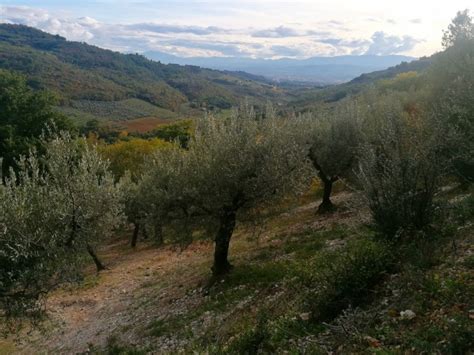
(51, 208)
(230, 164)
(240, 163)
(166, 192)
(90, 199)
(400, 167)
(452, 86)
(30, 240)
(245, 160)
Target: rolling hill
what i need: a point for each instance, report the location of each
(305, 98)
(97, 83)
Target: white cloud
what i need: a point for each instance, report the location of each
(383, 44)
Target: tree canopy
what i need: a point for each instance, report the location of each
(24, 114)
(461, 29)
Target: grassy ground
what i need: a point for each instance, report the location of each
(302, 283)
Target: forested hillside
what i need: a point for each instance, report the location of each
(79, 72)
(311, 97)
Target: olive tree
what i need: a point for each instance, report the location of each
(333, 137)
(238, 163)
(31, 240)
(134, 207)
(52, 210)
(451, 84)
(400, 166)
(90, 200)
(165, 191)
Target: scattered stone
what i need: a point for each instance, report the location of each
(305, 316)
(408, 314)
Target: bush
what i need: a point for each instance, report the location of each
(400, 169)
(253, 340)
(347, 278)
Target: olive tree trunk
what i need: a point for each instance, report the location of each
(158, 230)
(326, 205)
(226, 228)
(136, 229)
(94, 257)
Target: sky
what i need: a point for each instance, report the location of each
(245, 28)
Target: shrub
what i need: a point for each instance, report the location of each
(254, 339)
(347, 278)
(400, 168)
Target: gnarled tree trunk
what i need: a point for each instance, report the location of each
(136, 229)
(226, 228)
(94, 257)
(158, 229)
(327, 205)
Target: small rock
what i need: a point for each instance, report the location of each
(305, 316)
(408, 314)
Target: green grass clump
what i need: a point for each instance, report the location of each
(115, 347)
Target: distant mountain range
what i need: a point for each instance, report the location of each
(317, 70)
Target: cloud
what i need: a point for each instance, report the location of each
(383, 44)
(75, 30)
(355, 43)
(161, 28)
(416, 21)
(277, 32)
(226, 49)
(323, 34)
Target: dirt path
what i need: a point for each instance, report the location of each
(88, 315)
